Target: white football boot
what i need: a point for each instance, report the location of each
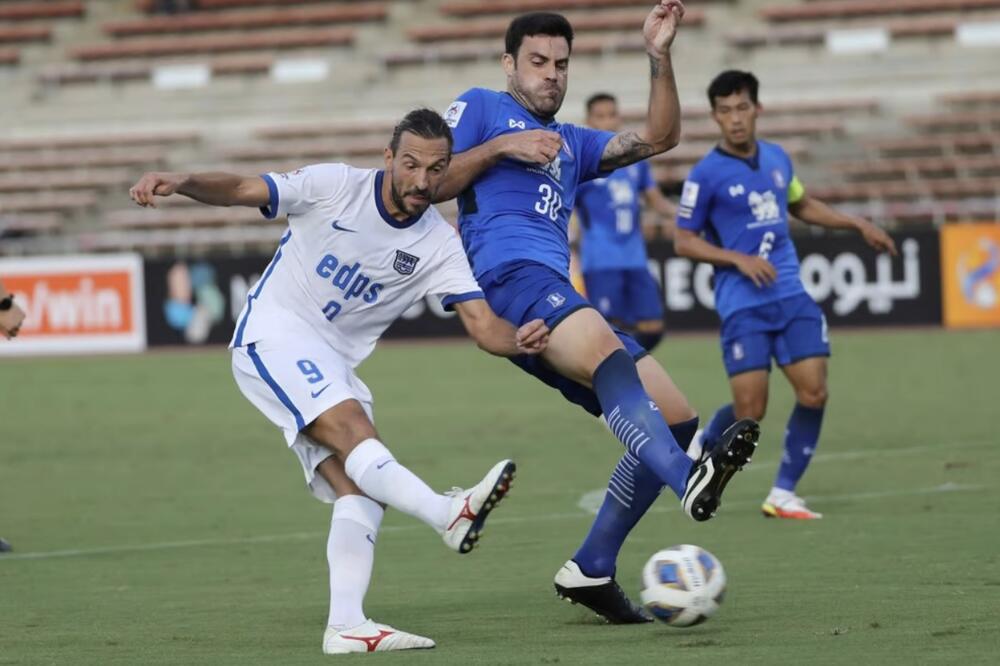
(469, 508)
(786, 504)
(370, 636)
(696, 445)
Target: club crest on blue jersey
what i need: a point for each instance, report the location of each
(555, 299)
(405, 263)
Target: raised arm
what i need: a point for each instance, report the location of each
(215, 189)
(497, 336)
(663, 118)
(813, 211)
(533, 146)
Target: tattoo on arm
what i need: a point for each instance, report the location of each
(625, 148)
(654, 67)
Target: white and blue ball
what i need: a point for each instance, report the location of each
(683, 585)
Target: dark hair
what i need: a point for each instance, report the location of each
(536, 23)
(730, 82)
(597, 98)
(425, 123)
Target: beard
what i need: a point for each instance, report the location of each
(400, 202)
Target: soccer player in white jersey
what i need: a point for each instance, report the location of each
(362, 246)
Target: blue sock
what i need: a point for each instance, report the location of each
(800, 443)
(648, 340)
(722, 420)
(631, 491)
(637, 423)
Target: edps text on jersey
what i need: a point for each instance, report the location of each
(349, 279)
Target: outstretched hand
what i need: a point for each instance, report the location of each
(161, 184)
(878, 239)
(661, 25)
(533, 337)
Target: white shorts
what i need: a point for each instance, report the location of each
(292, 382)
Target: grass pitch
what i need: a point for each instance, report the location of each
(158, 519)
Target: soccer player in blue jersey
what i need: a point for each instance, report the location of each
(612, 248)
(517, 178)
(734, 213)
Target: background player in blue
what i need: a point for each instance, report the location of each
(734, 214)
(612, 247)
(517, 177)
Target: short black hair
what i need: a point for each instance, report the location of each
(536, 23)
(597, 98)
(733, 81)
(425, 123)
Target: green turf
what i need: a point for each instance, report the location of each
(161, 453)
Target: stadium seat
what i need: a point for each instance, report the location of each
(66, 159)
(922, 167)
(461, 53)
(344, 148)
(317, 130)
(159, 138)
(944, 188)
(982, 121)
(29, 223)
(213, 5)
(72, 180)
(178, 217)
(53, 201)
(987, 99)
(475, 8)
(152, 47)
(156, 240)
(940, 144)
(247, 20)
(814, 35)
(778, 128)
(846, 9)
(20, 34)
(33, 11)
(496, 27)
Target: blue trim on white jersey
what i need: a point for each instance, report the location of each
(389, 219)
(278, 391)
(451, 300)
(238, 341)
(270, 211)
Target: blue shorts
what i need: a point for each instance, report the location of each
(521, 291)
(788, 330)
(627, 295)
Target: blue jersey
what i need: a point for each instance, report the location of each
(742, 205)
(517, 211)
(610, 225)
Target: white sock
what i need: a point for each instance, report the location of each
(350, 551)
(780, 493)
(372, 467)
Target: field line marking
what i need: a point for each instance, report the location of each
(298, 536)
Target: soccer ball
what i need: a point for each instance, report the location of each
(683, 585)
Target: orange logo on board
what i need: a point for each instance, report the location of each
(970, 270)
(73, 303)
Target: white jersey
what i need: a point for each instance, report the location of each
(345, 267)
